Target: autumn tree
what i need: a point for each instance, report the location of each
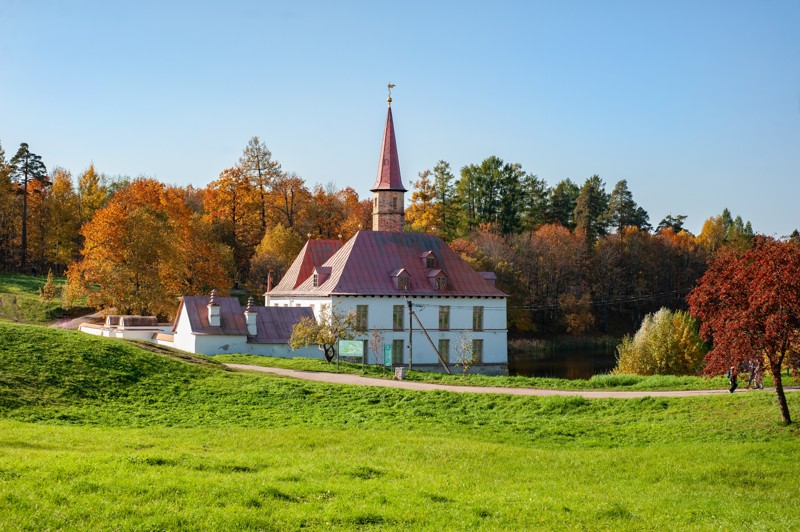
(724, 230)
(289, 200)
(92, 193)
(144, 249)
(226, 204)
(8, 210)
(667, 343)
(326, 212)
(434, 208)
(26, 167)
(200, 262)
(712, 235)
(358, 213)
(276, 252)
(550, 263)
(333, 325)
(65, 222)
(423, 213)
(749, 307)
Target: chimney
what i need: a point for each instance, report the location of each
(269, 288)
(213, 310)
(250, 317)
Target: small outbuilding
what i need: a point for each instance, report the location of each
(213, 325)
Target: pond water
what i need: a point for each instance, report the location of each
(567, 364)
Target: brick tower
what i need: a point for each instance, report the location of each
(388, 212)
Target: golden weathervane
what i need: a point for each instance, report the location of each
(390, 86)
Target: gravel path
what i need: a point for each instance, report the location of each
(343, 378)
(74, 323)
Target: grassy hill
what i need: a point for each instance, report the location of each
(99, 433)
(20, 302)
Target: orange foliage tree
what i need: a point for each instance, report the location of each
(230, 207)
(144, 249)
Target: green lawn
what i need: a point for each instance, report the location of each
(100, 434)
(20, 302)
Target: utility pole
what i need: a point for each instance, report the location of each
(410, 334)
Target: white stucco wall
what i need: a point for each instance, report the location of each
(206, 344)
(183, 338)
(380, 316)
(88, 328)
(230, 344)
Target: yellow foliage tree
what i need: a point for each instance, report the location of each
(712, 235)
(667, 343)
(65, 222)
(277, 250)
(332, 326)
(424, 214)
(91, 193)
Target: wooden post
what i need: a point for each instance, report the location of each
(435, 349)
(410, 334)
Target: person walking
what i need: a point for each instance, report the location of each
(758, 381)
(733, 378)
(751, 373)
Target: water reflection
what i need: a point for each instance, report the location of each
(572, 364)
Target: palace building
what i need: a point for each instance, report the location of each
(410, 290)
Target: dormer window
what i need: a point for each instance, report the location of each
(320, 275)
(438, 280)
(429, 259)
(400, 279)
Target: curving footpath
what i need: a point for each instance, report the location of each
(343, 378)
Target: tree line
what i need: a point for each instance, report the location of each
(135, 244)
(573, 259)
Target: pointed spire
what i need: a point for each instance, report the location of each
(389, 167)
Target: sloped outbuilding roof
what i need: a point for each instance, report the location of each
(273, 324)
(367, 262)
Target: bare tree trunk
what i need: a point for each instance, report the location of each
(776, 375)
(24, 250)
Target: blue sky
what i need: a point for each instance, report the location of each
(696, 104)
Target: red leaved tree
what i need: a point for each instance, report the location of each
(749, 307)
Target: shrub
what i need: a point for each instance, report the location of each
(667, 343)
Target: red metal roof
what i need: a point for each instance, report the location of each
(230, 311)
(313, 254)
(366, 263)
(389, 165)
(273, 324)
